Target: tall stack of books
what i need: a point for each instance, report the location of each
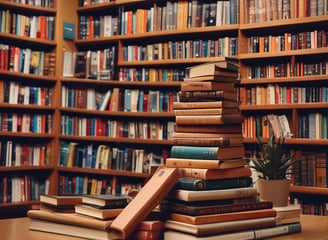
(214, 197)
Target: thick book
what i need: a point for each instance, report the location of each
(261, 233)
(194, 152)
(106, 200)
(56, 200)
(209, 208)
(205, 135)
(144, 202)
(208, 86)
(209, 229)
(189, 96)
(208, 174)
(223, 77)
(205, 163)
(201, 184)
(209, 104)
(223, 217)
(188, 195)
(208, 142)
(203, 119)
(206, 111)
(288, 214)
(99, 213)
(228, 67)
(214, 128)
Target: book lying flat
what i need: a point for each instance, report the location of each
(207, 86)
(222, 152)
(187, 195)
(261, 233)
(205, 135)
(214, 218)
(188, 96)
(205, 163)
(106, 200)
(226, 65)
(144, 202)
(208, 142)
(215, 173)
(206, 111)
(208, 119)
(200, 104)
(224, 128)
(216, 207)
(99, 213)
(220, 227)
(60, 200)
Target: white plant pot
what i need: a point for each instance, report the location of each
(276, 191)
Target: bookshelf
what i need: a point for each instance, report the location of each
(283, 72)
(28, 103)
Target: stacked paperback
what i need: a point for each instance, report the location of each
(214, 198)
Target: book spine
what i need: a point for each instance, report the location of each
(194, 152)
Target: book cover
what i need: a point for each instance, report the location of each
(227, 67)
(203, 96)
(205, 135)
(99, 213)
(106, 200)
(206, 111)
(60, 200)
(223, 77)
(194, 152)
(209, 174)
(224, 128)
(188, 195)
(201, 184)
(204, 163)
(208, 142)
(145, 201)
(220, 227)
(220, 206)
(223, 217)
(203, 119)
(207, 86)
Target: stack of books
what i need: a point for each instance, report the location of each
(214, 198)
(88, 216)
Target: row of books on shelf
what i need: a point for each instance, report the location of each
(224, 46)
(312, 125)
(24, 154)
(262, 11)
(160, 16)
(37, 3)
(22, 188)
(311, 206)
(19, 93)
(283, 94)
(288, 41)
(40, 27)
(310, 169)
(82, 185)
(116, 99)
(294, 68)
(26, 60)
(26, 122)
(91, 2)
(262, 125)
(91, 64)
(151, 74)
(78, 126)
(102, 156)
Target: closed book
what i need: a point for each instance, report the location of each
(228, 66)
(206, 86)
(213, 218)
(208, 119)
(189, 96)
(218, 77)
(204, 163)
(209, 229)
(206, 111)
(215, 173)
(208, 142)
(145, 201)
(201, 184)
(188, 195)
(57, 208)
(99, 213)
(260, 233)
(208, 104)
(214, 128)
(106, 200)
(60, 200)
(288, 214)
(207, 208)
(194, 152)
(205, 135)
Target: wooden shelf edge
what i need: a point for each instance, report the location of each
(309, 190)
(25, 168)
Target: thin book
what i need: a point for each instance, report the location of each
(204, 173)
(205, 163)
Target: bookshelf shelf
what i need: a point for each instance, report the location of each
(26, 168)
(26, 8)
(309, 190)
(269, 107)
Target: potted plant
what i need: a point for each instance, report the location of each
(272, 164)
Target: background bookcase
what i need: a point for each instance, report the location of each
(283, 72)
(153, 57)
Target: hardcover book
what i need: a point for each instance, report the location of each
(207, 86)
(106, 200)
(226, 128)
(205, 163)
(208, 119)
(228, 67)
(99, 213)
(207, 104)
(60, 200)
(206, 111)
(208, 142)
(194, 152)
(190, 96)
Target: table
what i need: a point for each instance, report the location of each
(313, 228)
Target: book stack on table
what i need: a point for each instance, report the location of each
(214, 198)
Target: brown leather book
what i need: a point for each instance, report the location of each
(215, 173)
(202, 119)
(205, 163)
(145, 201)
(200, 104)
(206, 86)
